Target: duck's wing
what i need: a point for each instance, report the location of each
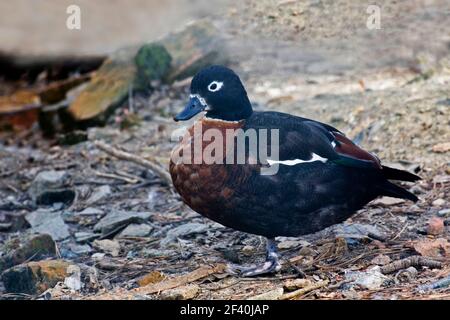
(305, 140)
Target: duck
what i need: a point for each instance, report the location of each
(310, 177)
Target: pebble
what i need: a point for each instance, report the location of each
(438, 202)
(111, 247)
(435, 226)
(181, 293)
(270, 295)
(98, 194)
(444, 213)
(135, 230)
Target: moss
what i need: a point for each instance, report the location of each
(153, 62)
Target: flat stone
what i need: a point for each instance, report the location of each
(387, 201)
(371, 279)
(111, 247)
(80, 249)
(90, 212)
(357, 231)
(99, 194)
(49, 222)
(270, 295)
(181, 293)
(135, 230)
(29, 247)
(85, 236)
(116, 219)
(35, 277)
(182, 231)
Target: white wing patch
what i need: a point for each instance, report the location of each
(315, 157)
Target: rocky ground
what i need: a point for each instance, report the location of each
(77, 222)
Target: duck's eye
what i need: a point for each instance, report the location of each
(215, 86)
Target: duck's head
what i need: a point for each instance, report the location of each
(218, 91)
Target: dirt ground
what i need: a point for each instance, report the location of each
(387, 89)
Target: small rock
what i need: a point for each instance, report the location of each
(136, 230)
(80, 249)
(438, 203)
(181, 293)
(98, 256)
(435, 226)
(357, 231)
(49, 222)
(444, 213)
(381, 260)
(98, 194)
(182, 231)
(406, 275)
(82, 237)
(289, 244)
(294, 284)
(49, 187)
(30, 247)
(111, 247)
(387, 201)
(270, 295)
(35, 277)
(73, 281)
(90, 212)
(371, 279)
(117, 219)
(441, 147)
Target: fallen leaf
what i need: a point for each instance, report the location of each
(151, 278)
(434, 248)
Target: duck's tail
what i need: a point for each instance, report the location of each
(391, 190)
(396, 174)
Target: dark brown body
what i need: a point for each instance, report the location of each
(297, 200)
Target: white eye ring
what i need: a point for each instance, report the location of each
(218, 85)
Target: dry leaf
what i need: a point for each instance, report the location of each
(433, 248)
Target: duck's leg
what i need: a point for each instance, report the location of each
(271, 264)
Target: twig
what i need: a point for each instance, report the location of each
(117, 177)
(414, 261)
(400, 232)
(442, 283)
(155, 168)
(302, 291)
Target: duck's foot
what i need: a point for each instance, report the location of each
(271, 265)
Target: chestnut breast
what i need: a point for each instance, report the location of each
(204, 185)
